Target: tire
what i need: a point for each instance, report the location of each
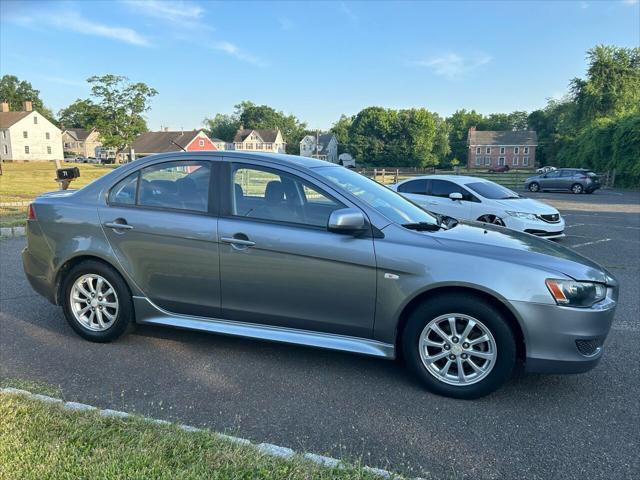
(114, 321)
(577, 188)
(465, 308)
(534, 187)
(492, 219)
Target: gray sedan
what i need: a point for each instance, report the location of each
(297, 250)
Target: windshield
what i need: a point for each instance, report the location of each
(492, 191)
(389, 203)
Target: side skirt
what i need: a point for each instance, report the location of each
(150, 314)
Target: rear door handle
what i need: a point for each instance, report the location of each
(119, 225)
(237, 241)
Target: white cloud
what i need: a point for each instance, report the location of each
(236, 52)
(77, 23)
(452, 65)
(630, 2)
(168, 10)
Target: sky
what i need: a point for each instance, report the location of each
(316, 60)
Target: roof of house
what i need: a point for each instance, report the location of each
(80, 134)
(164, 141)
(323, 139)
(9, 118)
(217, 140)
(267, 135)
(505, 137)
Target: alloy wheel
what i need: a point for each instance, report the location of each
(492, 219)
(577, 188)
(457, 349)
(534, 187)
(94, 302)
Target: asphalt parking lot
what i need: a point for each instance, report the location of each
(536, 426)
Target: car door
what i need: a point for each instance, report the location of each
(439, 192)
(161, 222)
(280, 265)
(551, 180)
(567, 179)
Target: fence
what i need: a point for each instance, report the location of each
(514, 179)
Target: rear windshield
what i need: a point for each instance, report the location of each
(592, 175)
(492, 191)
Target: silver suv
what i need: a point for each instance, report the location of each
(576, 180)
(298, 250)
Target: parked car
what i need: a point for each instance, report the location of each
(545, 169)
(80, 159)
(499, 169)
(298, 250)
(576, 180)
(472, 198)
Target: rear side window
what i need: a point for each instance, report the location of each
(176, 185)
(124, 193)
(568, 173)
(414, 186)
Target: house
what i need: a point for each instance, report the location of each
(515, 148)
(78, 141)
(27, 135)
(165, 140)
(259, 140)
(221, 144)
(323, 146)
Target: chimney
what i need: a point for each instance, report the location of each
(4, 107)
(28, 106)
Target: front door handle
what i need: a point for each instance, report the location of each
(237, 241)
(119, 224)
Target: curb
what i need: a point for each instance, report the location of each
(264, 448)
(13, 232)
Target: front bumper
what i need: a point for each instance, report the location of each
(565, 339)
(539, 228)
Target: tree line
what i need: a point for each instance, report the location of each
(595, 125)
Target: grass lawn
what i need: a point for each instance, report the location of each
(23, 181)
(41, 440)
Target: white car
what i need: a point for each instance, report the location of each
(471, 198)
(546, 169)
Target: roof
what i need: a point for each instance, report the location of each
(460, 179)
(161, 142)
(80, 134)
(503, 137)
(7, 119)
(267, 135)
(323, 139)
(217, 140)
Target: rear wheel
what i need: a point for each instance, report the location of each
(459, 346)
(534, 187)
(577, 188)
(96, 301)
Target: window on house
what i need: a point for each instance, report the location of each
(269, 146)
(487, 150)
(48, 150)
(239, 146)
(6, 150)
(526, 150)
(4, 134)
(525, 161)
(26, 149)
(201, 143)
(478, 160)
(515, 161)
(25, 134)
(35, 120)
(487, 160)
(47, 136)
(516, 150)
(501, 150)
(501, 161)
(478, 150)
(249, 146)
(66, 145)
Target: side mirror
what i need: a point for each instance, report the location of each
(455, 196)
(346, 220)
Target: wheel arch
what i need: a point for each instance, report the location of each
(490, 297)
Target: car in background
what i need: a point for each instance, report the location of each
(576, 180)
(472, 198)
(545, 169)
(499, 169)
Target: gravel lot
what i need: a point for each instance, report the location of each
(572, 427)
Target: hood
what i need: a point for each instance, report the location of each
(516, 247)
(526, 205)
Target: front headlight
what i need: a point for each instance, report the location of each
(528, 216)
(570, 293)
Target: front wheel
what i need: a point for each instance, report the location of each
(459, 346)
(493, 219)
(534, 187)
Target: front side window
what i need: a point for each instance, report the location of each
(278, 196)
(554, 174)
(414, 186)
(384, 200)
(444, 188)
(176, 185)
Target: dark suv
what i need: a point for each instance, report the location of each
(577, 180)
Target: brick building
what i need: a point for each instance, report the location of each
(487, 149)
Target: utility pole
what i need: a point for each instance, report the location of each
(317, 141)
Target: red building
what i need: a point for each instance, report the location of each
(515, 148)
(171, 141)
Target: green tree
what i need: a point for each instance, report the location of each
(223, 126)
(122, 103)
(16, 92)
(80, 114)
(341, 130)
(459, 123)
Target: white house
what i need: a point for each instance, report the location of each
(326, 147)
(27, 135)
(259, 140)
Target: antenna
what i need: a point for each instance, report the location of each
(179, 146)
